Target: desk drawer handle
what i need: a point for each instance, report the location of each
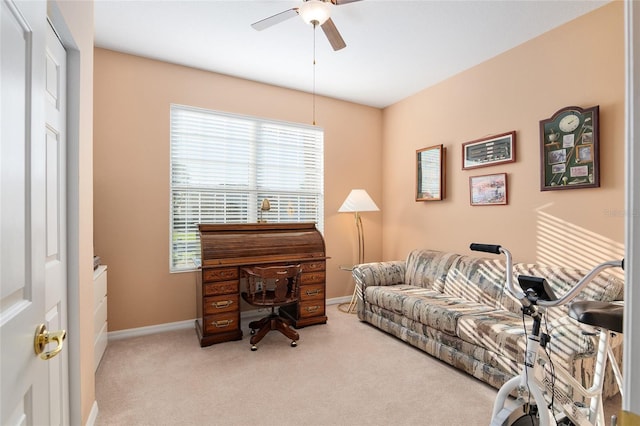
(312, 308)
(223, 304)
(222, 324)
(313, 292)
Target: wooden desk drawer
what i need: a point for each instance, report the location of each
(313, 266)
(221, 287)
(312, 292)
(221, 323)
(312, 277)
(220, 304)
(220, 274)
(311, 309)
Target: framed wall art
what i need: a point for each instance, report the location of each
(489, 151)
(488, 190)
(430, 174)
(569, 152)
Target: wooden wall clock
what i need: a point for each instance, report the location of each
(569, 151)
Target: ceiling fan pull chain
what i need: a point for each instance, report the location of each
(314, 74)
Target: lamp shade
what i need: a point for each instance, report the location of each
(358, 201)
(314, 12)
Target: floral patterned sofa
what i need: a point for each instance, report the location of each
(456, 308)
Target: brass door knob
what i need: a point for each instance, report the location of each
(44, 337)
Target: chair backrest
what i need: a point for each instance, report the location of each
(272, 285)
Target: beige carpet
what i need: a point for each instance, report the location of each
(342, 373)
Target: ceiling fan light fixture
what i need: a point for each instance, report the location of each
(314, 12)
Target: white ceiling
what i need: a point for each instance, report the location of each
(394, 48)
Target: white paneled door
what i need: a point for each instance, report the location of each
(56, 224)
(33, 363)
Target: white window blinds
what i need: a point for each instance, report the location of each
(224, 165)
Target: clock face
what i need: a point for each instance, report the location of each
(569, 123)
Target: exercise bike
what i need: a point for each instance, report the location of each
(539, 402)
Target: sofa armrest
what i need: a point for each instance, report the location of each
(379, 273)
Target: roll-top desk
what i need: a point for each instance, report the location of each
(226, 248)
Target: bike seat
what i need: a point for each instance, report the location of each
(599, 314)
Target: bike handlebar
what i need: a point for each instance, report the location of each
(522, 296)
(488, 248)
(497, 249)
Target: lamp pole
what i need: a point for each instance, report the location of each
(357, 201)
(360, 238)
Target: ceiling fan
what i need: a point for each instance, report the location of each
(314, 12)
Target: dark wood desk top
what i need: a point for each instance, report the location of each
(259, 243)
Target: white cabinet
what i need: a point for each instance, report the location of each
(100, 312)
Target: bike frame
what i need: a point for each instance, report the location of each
(527, 384)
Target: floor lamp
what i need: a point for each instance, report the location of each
(357, 201)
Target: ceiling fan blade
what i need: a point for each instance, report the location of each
(339, 2)
(334, 37)
(275, 19)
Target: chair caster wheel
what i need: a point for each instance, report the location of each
(254, 348)
(294, 343)
(253, 332)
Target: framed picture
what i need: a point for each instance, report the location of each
(569, 149)
(584, 153)
(489, 151)
(430, 174)
(488, 190)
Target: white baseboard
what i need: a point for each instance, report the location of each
(181, 325)
(339, 300)
(151, 329)
(93, 414)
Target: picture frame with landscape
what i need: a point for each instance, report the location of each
(488, 190)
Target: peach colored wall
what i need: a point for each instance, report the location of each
(131, 176)
(580, 63)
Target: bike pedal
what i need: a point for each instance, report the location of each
(530, 409)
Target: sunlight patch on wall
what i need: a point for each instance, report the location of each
(562, 243)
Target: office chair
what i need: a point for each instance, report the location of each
(272, 286)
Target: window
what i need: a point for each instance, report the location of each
(224, 165)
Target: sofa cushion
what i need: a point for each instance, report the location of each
(502, 333)
(440, 311)
(392, 297)
(428, 268)
(477, 279)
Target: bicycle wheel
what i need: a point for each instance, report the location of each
(526, 420)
